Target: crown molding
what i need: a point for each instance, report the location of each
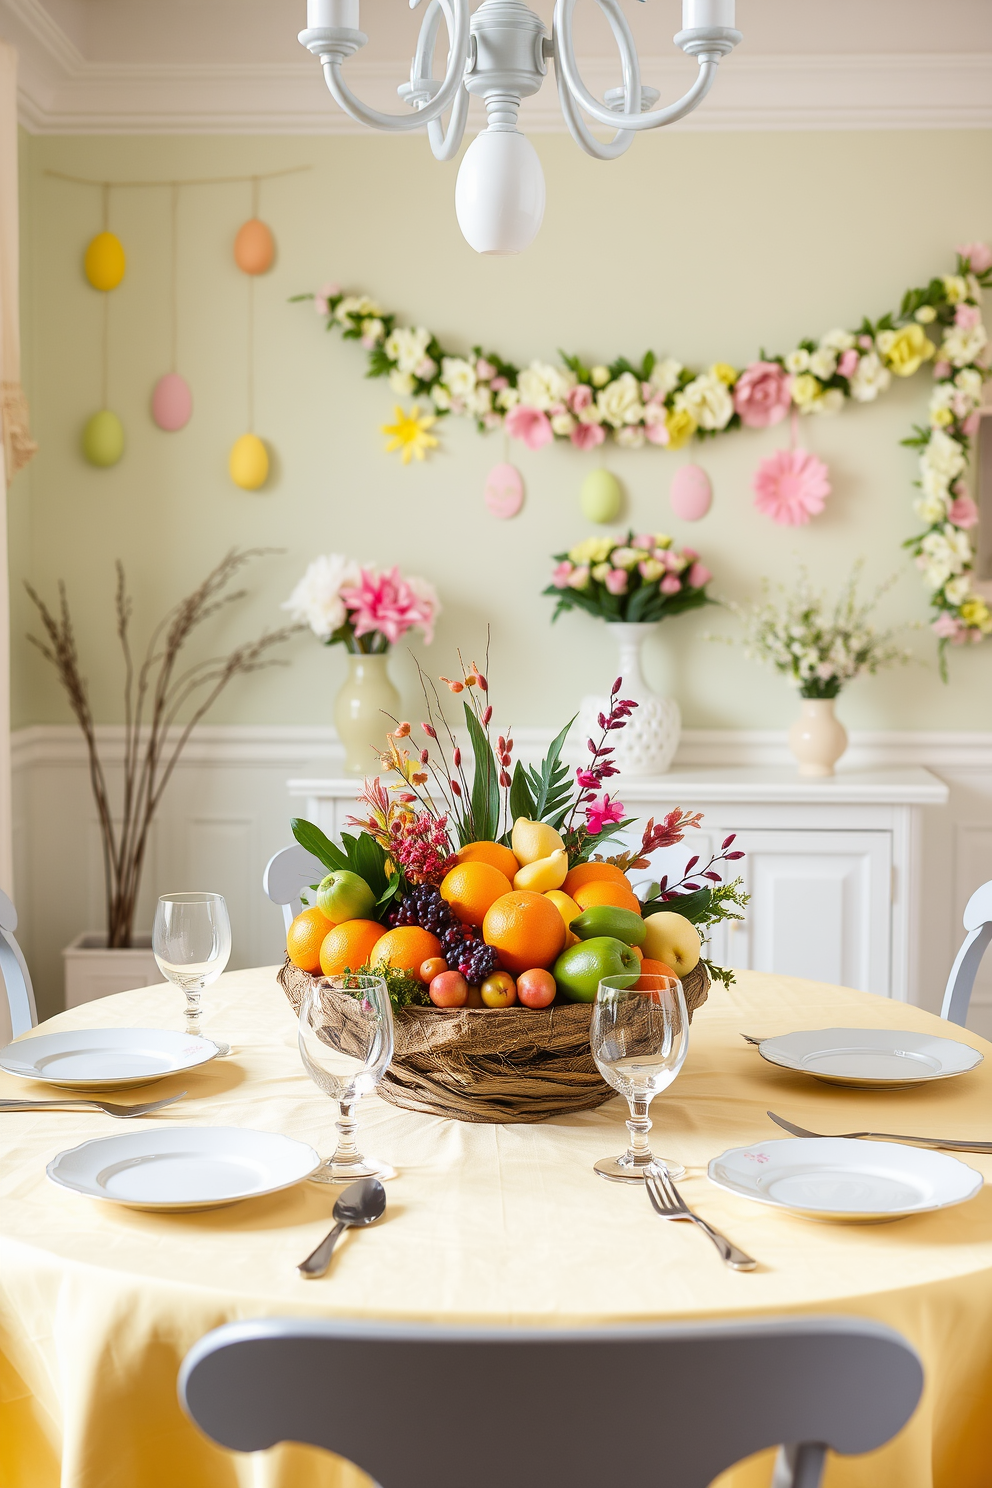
(62, 92)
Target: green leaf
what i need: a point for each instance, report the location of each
(313, 839)
(690, 906)
(521, 800)
(391, 891)
(485, 781)
(368, 859)
(551, 784)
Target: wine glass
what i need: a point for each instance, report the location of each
(346, 1042)
(639, 1037)
(192, 945)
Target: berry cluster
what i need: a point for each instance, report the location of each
(424, 906)
(464, 950)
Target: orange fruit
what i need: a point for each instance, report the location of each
(493, 853)
(349, 946)
(653, 968)
(470, 888)
(526, 929)
(406, 948)
(605, 891)
(305, 937)
(585, 873)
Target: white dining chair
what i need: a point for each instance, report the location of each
(287, 874)
(978, 923)
(657, 1404)
(14, 972)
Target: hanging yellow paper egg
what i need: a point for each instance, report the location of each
(249, 462)
(103, 438)
(254, 247)
(105, 261)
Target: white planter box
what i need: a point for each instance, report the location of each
(91, 971)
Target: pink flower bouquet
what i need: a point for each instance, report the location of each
(640, 576)
(363, 608)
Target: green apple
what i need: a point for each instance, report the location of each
(673, 939)
(344, 896)
(579, 970)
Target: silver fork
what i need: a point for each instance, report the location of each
(669, 1204)
(939, 1144)
(749, 1038)
(110, 1107)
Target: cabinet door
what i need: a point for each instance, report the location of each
(820, 907)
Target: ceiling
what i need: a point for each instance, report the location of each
(235, 66)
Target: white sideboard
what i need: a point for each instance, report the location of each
(832, 866)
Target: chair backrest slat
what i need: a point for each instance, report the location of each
(288, 873)
(14, 973)
(978, 923)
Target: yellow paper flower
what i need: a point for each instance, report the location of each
(975, 613)
(725, 372)
(807, 390)
(681, 426)
(409, 433)
(592, 550)
(906, 350)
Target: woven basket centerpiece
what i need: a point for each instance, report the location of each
(488, 1065)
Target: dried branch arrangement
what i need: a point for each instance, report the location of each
(158, 695)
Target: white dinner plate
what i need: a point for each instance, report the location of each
(840, 1179)
(871, 1058)
(105, 1058)
(183, 1167)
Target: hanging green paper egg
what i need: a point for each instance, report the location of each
(105, 261)
(103, 438)
(249, 462)
(601, 496)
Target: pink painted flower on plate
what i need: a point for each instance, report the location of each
(762, 395)
(697, 576)
(963, 512)
(530, 425)
(587, 436)
(616, 581)
(979, 256)
(790, 487)
(601, 813)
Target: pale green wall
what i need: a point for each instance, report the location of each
(702, 246)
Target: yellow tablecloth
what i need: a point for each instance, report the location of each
(501, 1224)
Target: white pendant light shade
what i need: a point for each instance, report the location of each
(499, 193)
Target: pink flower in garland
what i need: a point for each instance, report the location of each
(391, 605)
(530, 425)
(979, 256)
(587, 436)
(790, 487)
(963, 512)
(602, 813)
(762, 395)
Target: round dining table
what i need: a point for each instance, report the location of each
(496, 1224)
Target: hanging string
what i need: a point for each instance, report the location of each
(105, 318)
(106, 205)
(251, 320)
(254, 195)
(291, 170)
(174, 288)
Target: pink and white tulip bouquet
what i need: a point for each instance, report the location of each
(640, 576)
(363, 608)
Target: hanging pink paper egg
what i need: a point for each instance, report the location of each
(172, 402)
(690, 493)
(254, 247)
(504, 491)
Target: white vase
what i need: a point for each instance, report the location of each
(364, 710)
(817, 738)
(648, 743)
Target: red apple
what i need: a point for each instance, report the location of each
(499, 990)
(536, 989)
(448, 990)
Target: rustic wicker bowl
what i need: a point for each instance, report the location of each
(478, 1064)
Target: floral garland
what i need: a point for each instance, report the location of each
(664, 403)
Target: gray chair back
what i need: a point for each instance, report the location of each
(14, 973)
(669, 1407)
(978, 923)
(287, 874)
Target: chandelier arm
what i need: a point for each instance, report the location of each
(598, 149)
(399, 123)
(445, 142)
(598, 111)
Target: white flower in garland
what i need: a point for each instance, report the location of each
(480, 400)
(797, 361)
(458, 376)
(629, 437)
(401, 382)
(708, 399)
(823, 363)
(619, 402)
(838, 340)
(407, 347)
(931, 507)
(542, 386)
(562, 423)
(941, 461)
(964, 344)
(970, 382)
(955, 288)
(356, 305)
(870, 378)
(665, 376)
(956, 591)
(944, 553)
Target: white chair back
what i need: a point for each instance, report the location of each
(978, 923)
(287, 874)
(14, 971)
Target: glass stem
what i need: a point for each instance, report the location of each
(193, 1011)
(639, 1151)
(347, 1148)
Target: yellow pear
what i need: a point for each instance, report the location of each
(531, 840)
(565, 905)
(673, 939)
(545, 873)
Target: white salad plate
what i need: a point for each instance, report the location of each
(870, 1058)
(844, 1180)
(105, 1058)
(183, 1167)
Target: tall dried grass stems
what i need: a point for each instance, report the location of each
(156, 693)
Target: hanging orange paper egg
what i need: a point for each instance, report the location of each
(254, 247)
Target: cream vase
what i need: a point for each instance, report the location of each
(817, 738)
(360, 710)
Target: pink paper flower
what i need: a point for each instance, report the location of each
(790, 487)
(644, 540)
(963, 512)
(530, 425)
(971, 424)
(690, 555)
(562, 574)
(762, 395)
(587, 436)
(848, 364)
(579, 397)
(616, 581)
(979, 256)
(391, 605)
(697, 576)
(967, 317)
(670, 584)
(941, 370)
(600, 813)
(656, 432)
(484, 370)
(499, 383)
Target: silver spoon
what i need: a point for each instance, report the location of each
(360, 1204)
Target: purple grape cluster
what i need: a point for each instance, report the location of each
(464, 950)
(424, 906)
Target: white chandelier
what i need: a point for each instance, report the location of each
(501, 53)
